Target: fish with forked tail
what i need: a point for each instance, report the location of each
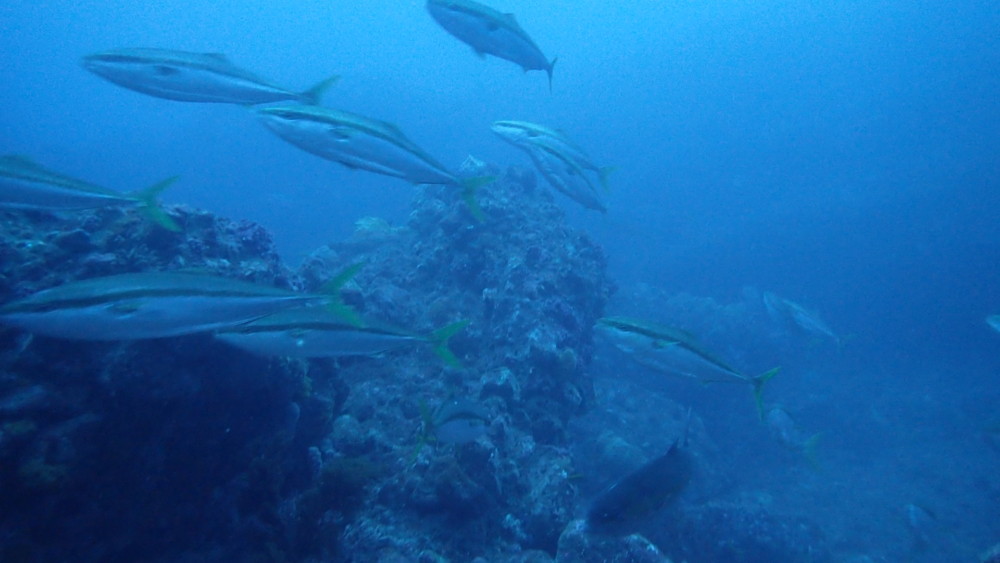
(490, 32)
(674, 351)
(192, 77)
(784, 429)
(315, 332)
(360, 142)
(150, 305)
(25, 184)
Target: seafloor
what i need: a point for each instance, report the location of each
(185, 449)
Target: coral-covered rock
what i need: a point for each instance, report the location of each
(577, 545)
(187, 449)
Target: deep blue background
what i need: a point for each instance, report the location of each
(843, 154)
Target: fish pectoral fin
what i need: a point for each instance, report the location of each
(165, 70)
(480, 54)
(339, 134)
(125, 307)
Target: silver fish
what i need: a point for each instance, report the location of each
(676, 352)
(192, 77)
(490, 32)
(360, 142)
(790, 435)
(315, 332)
(24, 184)
(566, 176)
(524, 134)
(148, 305)
(784, 310)
(994, 322)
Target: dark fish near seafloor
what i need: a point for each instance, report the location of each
(622, 507)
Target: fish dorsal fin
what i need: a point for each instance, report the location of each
(391, 128)
(20, 160)
(510, 19)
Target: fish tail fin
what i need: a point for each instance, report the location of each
(809, 450)
(842, 340)
(150, 204)
(335, 304)
(313, 94)
(440, 339)
(687, 427)
(426, 435)
(603, 173)
(469, 188)
(758, 389)
(552, 65)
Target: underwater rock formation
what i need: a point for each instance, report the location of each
(185, 447)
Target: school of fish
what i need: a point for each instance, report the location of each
(275, 322)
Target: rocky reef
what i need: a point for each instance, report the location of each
(187, 449)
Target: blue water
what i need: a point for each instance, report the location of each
(841, 154)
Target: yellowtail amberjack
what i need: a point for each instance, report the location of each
(314, 332)
(674, 351)
(566, 176)
(192, 77)
(360, 142)
(24, 184)
(491, 32)
(785, 310)
(149, 305)
(784, 429)
(524, 135)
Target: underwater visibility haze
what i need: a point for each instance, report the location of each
(599, 216)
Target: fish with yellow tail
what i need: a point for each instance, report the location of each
(152, 305)
(526, 135)
(360, 142)
(25, 184)
(790, 435)
(674, 351)
(315, 332)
